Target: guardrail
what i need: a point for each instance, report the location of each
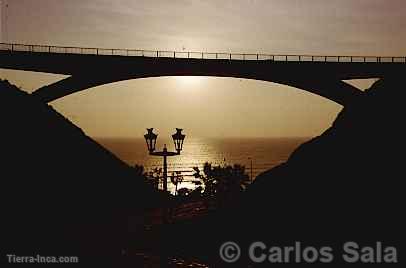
(196, 55)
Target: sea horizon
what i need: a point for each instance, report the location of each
(263, 152)
(209, 137)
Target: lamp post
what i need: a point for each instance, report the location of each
(250, 168)
(178, 139)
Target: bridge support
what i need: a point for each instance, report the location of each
(72, 84)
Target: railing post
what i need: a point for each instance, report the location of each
(202, 55)
(230, 56)
(49, 49)
(188, 54)
(286, 58)
(300, 58)
(97, 51)
(393, 59)
(365, 59)
(157, 54)
(338, 57)
(351, 59)
(257, 57)
(174, 54)
(217, 56)
(325, 58)
(312, 58)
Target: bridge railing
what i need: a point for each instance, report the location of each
(196, 55)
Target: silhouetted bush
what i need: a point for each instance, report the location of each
(222, 182)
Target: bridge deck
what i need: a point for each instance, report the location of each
(198, 55)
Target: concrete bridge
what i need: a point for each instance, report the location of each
(90, 67)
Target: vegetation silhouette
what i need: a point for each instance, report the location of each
(218, 181)
(184, 192)
(222, 182)
(152, 177)
(176, 179)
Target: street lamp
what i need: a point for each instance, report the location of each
(249, 158)
(178, 139)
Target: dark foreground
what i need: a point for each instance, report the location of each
(69, 196)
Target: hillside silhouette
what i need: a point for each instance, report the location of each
(344, 185)
(63, 191)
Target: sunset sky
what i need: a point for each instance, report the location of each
(203, 106)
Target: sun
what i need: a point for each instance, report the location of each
(189, 80)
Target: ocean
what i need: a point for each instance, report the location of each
(265, 153)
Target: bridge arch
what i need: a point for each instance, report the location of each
(330, 88)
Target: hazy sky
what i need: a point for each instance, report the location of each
(203, 106)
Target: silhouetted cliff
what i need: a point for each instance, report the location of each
(60, 184)
(351, 174)
(345, 185)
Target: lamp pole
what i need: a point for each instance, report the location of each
(165, 153)
(250, 168)
(178, 139)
